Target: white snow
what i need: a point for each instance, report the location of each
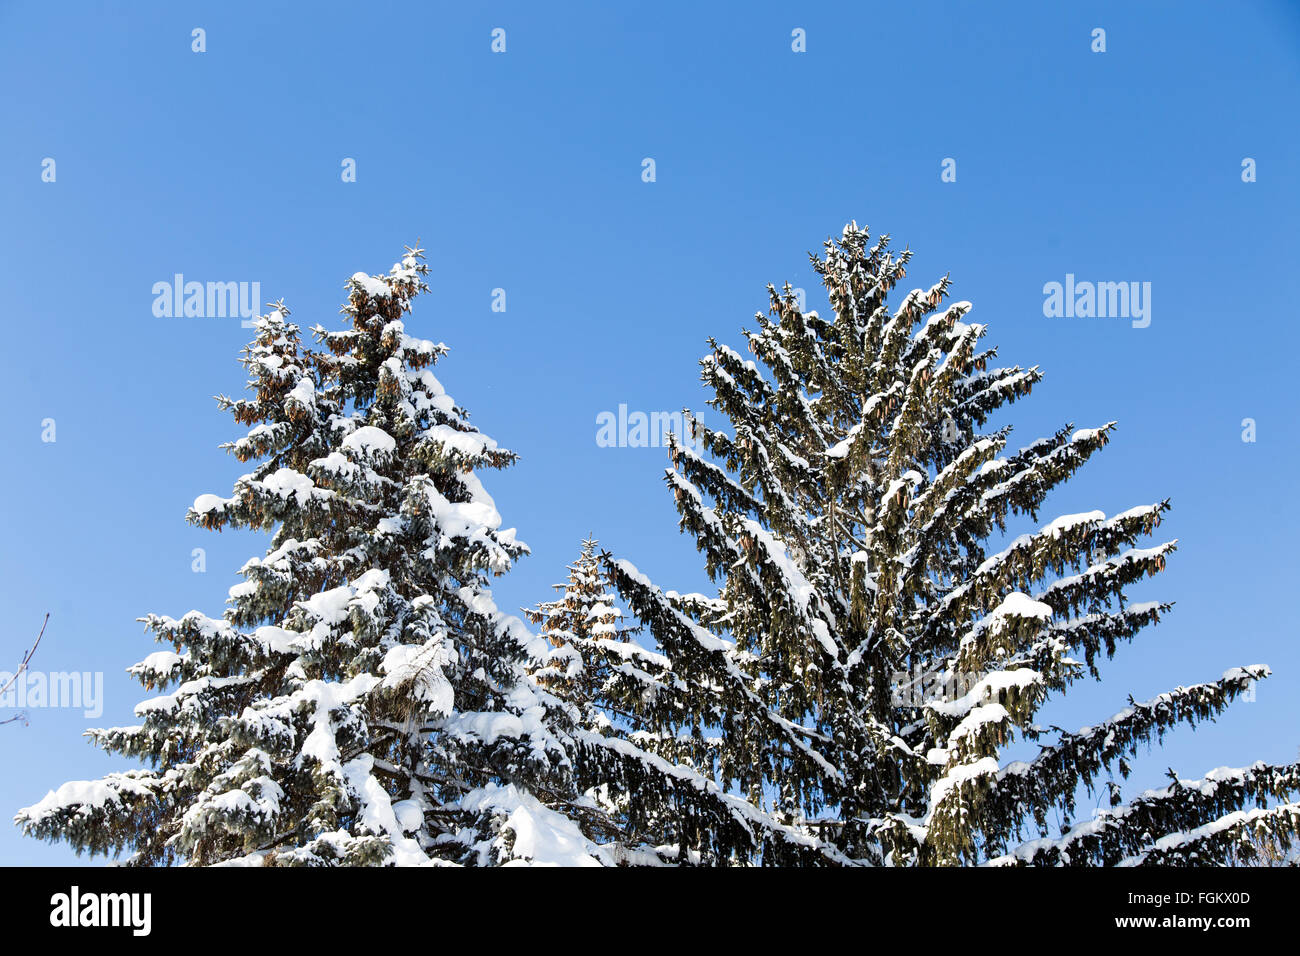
(988, 687)
(205, 503)
(1019, 604)
(373, 286)
(1068, 522)
(542, 837)
(419, 667)
(370, 440)
(470, 444)
(158, 664)
(88, 794)
(286, 481)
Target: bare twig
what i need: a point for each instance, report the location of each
(27, 659)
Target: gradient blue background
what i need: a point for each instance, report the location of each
(522, 171)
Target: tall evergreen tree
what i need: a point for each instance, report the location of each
(849, 514)
(362, 700)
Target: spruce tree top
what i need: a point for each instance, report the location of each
(861, 524)
(361, 700)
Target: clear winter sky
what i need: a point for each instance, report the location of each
(522, 171)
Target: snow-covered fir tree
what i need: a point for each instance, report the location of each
(856, 517)
(581, 627)
(362, 700)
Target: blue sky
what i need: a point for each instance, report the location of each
(522, 171)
